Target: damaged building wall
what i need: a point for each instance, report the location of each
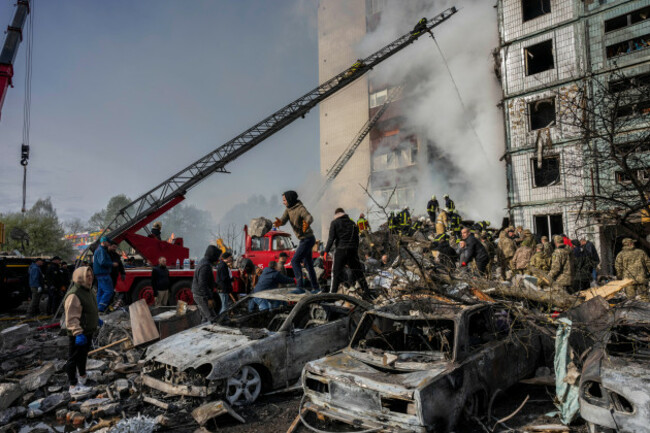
(547, 48)
(341, 26)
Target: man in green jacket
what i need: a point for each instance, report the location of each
(300, 219)
(81, 321)
(562, 265)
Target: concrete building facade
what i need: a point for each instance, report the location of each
(550, 53)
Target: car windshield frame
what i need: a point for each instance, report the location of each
(369, 319)
(286, 240)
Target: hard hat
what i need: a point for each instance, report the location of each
(446, 196)
(422, 219)
(157, 225)
(433, 197)
(487, 223)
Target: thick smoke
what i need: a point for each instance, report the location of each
(464, 166)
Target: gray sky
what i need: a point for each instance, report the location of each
(125, 93)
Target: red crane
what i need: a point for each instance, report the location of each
(10, 48)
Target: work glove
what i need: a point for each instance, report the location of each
(100, 323)
(277, 223)
(305, 226)
(325, 257)
(80, 340)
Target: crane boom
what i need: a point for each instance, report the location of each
(167, 194)
(347, 154)
(10, 47)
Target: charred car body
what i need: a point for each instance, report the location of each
(246, 353)
(416, 366)
(615, 381)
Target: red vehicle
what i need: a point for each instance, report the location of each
(260, 251)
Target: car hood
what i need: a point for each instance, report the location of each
(343, 367)
(202, 344)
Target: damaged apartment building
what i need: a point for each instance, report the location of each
(388, 157)
(547, 50)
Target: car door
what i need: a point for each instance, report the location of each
(309, 339)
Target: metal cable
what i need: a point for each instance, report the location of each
(27, 104)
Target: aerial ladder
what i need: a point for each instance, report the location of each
(10, 47)
(340, 162)
(149, 206)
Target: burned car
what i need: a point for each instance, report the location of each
(246, 353)
(615, 383)
(418, 366)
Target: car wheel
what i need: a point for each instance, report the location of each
(143, 290)
(182, 291)
(244, 386)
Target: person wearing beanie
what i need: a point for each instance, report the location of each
(300, 219)
(81, 322)
(344, 235)
(224, 281)
(203, 283)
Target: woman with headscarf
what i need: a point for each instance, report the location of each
(300, 219)
(81, 321)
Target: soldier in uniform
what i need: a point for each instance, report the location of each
(540, 260)
(633, 263)
(548, 247)
(562, 265)
(506, 250)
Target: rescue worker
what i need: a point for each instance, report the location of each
(270, 278)
(300, 219)
(420, 27)
(392, 222)
(521, 260)
(562, 265)
(224, 281)
(203, 283)
(404, 218)
(344, 235)
(160, 282)
(539, 260)
(102, 268)
(506, 249)
(449, 203)
(81, 322)
(548, 247)
(455, 223)
(442, 222)
(156, 231)
(475, 251)
(55, 285)
(363, 225)
(36, 285)
(490, 248)
(432, 208)
(633, 263)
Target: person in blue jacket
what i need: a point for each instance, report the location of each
(102, 266)
(271, 278)
(36, 285)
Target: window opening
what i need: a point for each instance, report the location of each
(542, 114)
(548, 225)
(539, 57)
(549, 172)
(627, 20)
(627, 47)
(535, 8)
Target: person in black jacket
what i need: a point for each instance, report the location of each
(344, 234)
(160, 282)
(118, 267)
(55, 284)
(474, 251)
(203, 283)
(224, 281)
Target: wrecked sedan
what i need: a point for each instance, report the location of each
(246, 353)
(615, 382)
(417, 366)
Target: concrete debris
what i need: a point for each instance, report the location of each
(211, 410)
(13, 336)
(259, 227)
(9, 392)
(137, 424)
(38, 377)
(8, 415)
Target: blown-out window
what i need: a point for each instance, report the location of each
(547, 173)
(539, 57)
(541, 113)
(535, 8)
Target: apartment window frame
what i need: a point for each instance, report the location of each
(625, 20)
(546, 224)
(531, 105)
(536, 176)
(641, 174)
(528, 12)
(629, 46)
(538, 50)
(378, 98)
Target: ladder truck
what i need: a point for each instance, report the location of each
(10, 47)
(145, 209)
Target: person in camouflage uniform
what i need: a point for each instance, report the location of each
(562, 265)
(506, 249)
(633, 263)
(548, 247)
(540, 260)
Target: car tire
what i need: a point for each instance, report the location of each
(182, 291)
(143, 290)
(244, 387)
